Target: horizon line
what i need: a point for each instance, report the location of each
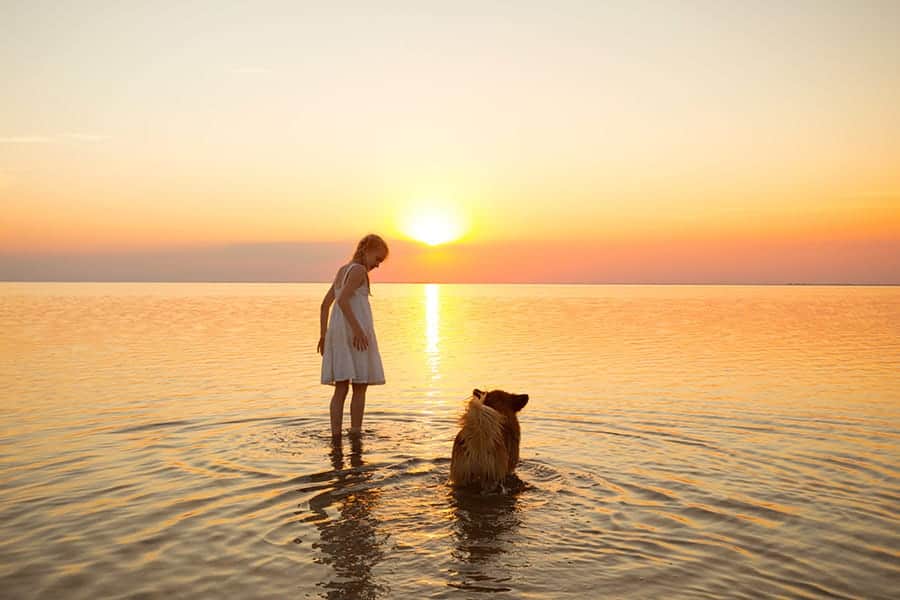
(623, 283)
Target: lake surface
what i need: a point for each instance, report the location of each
(680, 442)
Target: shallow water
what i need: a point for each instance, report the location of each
(680, 441)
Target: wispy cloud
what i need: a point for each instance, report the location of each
(25, 139)
(53, 139)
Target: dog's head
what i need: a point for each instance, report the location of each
(501, 401)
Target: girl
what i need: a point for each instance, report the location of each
(347, 341)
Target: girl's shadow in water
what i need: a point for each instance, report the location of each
(485, 535)
(350, 541)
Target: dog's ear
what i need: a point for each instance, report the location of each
(519, 402)
(477, 393)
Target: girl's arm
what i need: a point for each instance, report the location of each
(323, 318)
(353, 280)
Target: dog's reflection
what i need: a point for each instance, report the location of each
(485, 531)
(350, 541)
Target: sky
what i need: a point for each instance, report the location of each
(631, 142)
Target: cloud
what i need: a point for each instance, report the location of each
(25, 139)
(52, 139)
(731, 262)
(229, 262)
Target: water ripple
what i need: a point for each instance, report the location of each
(679, 442)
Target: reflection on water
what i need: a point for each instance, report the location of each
(432, 335)
(485, 531)
(432, 319)
(681, 441)
(348, 529)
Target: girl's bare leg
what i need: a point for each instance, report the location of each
(357, 407)
(337, 407)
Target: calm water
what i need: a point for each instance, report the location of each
(697, 442)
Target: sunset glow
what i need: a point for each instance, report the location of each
(687, 149)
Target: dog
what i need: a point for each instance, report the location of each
(486, 449)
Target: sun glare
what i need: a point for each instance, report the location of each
(434, 227)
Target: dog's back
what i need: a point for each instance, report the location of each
(479, 450)
(486, 449)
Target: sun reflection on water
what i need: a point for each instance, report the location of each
(432, 333)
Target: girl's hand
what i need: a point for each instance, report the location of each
(320, 347)
(360, 341)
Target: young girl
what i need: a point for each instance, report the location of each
(347, 341)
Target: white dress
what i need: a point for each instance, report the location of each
(340, 360)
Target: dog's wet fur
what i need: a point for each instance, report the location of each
(486, 449)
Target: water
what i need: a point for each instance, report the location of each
(696, 442)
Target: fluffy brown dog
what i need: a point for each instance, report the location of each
(486, 449)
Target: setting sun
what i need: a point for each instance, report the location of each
(434, 227)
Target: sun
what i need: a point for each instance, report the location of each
(434, 226)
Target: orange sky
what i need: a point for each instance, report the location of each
(738, 143)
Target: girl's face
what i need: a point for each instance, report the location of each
(375, 257)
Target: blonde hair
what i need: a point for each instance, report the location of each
(369, 242)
